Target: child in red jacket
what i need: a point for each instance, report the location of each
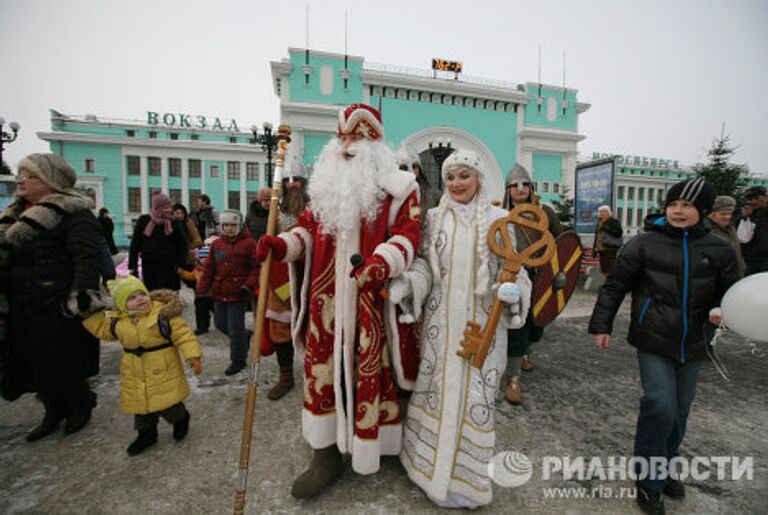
(230, 276)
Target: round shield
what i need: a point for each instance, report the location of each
(556, 280)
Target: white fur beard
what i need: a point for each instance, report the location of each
(343, 191)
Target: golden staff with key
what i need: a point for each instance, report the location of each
(477, 343)
(283, 135)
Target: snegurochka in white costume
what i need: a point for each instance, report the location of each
(449, 433)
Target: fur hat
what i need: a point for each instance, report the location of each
(52, 170)
(723, 203)
(362, 120)
(755, 191)
(122, 288)
(232, 216)
(696, 191)
(463, 158)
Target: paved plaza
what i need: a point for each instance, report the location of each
(577, 402)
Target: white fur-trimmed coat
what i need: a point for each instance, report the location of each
(449, 433)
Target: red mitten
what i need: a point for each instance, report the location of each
(266, 243)
(372, 273)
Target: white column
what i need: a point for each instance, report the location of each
(125, 225)
(243, 196)
(164, 174)
(203, 173)
(262, 173)
(144, 187)
(225, 182)
(525, 159)
(520, 125)
(185, 182)
(569, 172)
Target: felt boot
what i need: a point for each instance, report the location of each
(146, 439)
(325, 468)
(181, 428)
(283, 386)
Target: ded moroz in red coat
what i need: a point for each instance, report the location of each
(231, 264)
(349, 339)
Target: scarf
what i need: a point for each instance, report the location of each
(156, 217)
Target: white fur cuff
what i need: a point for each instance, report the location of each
(394, 258)
(294, 240)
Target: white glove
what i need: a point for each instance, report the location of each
(400, 288)
(509, 293)
(401, 293)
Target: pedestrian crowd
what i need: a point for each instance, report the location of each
(375, 275)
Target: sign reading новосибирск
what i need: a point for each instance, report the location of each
(652, 162)
(188, 121)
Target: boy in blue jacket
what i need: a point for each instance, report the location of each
(677, 272)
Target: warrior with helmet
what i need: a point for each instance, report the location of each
(520, 190)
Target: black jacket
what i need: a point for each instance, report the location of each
(47, 253)
(757, 248)
(676, 276)
(160, 254)
(158, 247)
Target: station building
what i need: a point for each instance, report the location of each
(641, 185)
(121, 162)
(433, 111)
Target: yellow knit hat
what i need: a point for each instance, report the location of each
(122, 288)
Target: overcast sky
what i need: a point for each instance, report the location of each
(661, 76)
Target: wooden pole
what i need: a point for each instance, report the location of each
(258, 325)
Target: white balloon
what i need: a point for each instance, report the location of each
(745, 307)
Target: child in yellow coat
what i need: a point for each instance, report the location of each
(152, 380)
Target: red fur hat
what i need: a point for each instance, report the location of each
(361, 119)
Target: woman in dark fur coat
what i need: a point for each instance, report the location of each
(50, 250)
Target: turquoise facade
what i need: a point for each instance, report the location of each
(426, 110)
(538, 114)
(107, 146)
(310, 91)
(405, 117)
(547, 171)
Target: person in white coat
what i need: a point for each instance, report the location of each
(449, 433)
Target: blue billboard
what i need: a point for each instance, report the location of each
(594, 188)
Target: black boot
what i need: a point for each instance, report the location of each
(650, 501)
(181, 428)
(234, 368)
(325, 468)
(674, 489)
(80, 414)
(146, 439)
(49, 424)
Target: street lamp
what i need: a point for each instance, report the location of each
(268, 142)
(6, 137)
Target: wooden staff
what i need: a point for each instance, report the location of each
(477, 343)
(258, 324)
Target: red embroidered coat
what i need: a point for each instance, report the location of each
(350, 340)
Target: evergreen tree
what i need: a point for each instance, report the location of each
(564, 209)
(725, 177)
